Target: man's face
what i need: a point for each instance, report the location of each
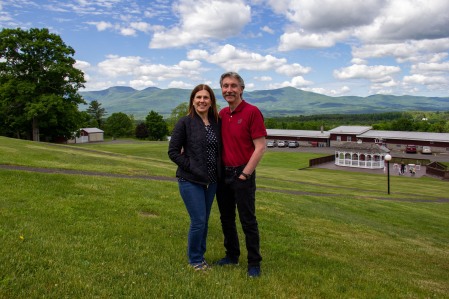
(231, 90)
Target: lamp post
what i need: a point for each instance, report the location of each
(388, 159)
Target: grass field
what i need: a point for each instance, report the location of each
(115, 227)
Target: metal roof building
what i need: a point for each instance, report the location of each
(396, 140)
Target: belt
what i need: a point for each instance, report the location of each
(234, 169)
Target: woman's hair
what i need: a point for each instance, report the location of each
(213, 106)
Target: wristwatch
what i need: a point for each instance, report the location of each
(247, 176)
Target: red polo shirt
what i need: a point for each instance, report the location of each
(238, 129)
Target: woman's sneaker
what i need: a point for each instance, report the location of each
(201, 266)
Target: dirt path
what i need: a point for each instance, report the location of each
(429, 199)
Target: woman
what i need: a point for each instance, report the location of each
(195, 146)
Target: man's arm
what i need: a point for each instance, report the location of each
(257, 155)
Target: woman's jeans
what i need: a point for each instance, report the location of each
(198, 200)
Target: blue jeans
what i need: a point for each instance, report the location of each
(198, 200)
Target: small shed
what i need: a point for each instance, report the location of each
(90, 135)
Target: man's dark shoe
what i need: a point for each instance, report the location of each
(227, 261)
(254, 271)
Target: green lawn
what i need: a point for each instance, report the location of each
(324, 234)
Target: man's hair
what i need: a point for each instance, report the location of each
(233, 75)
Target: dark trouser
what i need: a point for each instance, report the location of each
(234, 192)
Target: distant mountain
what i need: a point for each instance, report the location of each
(276, 102)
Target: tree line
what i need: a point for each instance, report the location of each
(412, 121)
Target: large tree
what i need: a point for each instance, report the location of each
(119, 125)
(177, 112)
(97, 113)
(157, 127)
(38, 85)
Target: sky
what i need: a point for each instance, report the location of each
(332, 47)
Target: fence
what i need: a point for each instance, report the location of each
(321, 160)
(437, 169)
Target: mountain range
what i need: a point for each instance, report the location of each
(287, 101)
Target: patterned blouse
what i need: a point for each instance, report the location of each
(211, 155)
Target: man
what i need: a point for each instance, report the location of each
(243, 135)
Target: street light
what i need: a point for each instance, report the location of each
(388, 158)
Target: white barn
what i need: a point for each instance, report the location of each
(90, 135)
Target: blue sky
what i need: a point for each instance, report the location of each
(333, 47)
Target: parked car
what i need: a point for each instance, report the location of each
(271, 143)
(282, 143)
(293, 144)
(411, 149)
(426, 150)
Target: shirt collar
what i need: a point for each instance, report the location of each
(239, 107)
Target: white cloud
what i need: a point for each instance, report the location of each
(401, 20)
(126, 29)
(330, 15)
(330, 92)
(141, 83)
(82, 65)
(293, 70)
(357, 71)
(141, 26)
(190, 64)
(115, 66)
(300, 39)
(412, 50)
(431, 67)
(143, 74)
(264, 78)
(164, 72)
(101, 26)
(203, 19)
(382, 86)
(425, 80)
(323, 23)
(231, 58)
(128, 32)
(179, 84)
(296, 82)
(359, 61)
(267, 29)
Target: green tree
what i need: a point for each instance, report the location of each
(403, 124)
(97, 113)
(178, 112)
(38, 85)
(157, 127)
(119, 125)
(142, 131)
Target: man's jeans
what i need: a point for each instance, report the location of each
(198, 200)
(241, 193)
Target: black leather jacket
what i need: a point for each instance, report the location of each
(187, 148)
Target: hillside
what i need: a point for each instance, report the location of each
(277, 102)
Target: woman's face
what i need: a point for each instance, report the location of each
(202, 102)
